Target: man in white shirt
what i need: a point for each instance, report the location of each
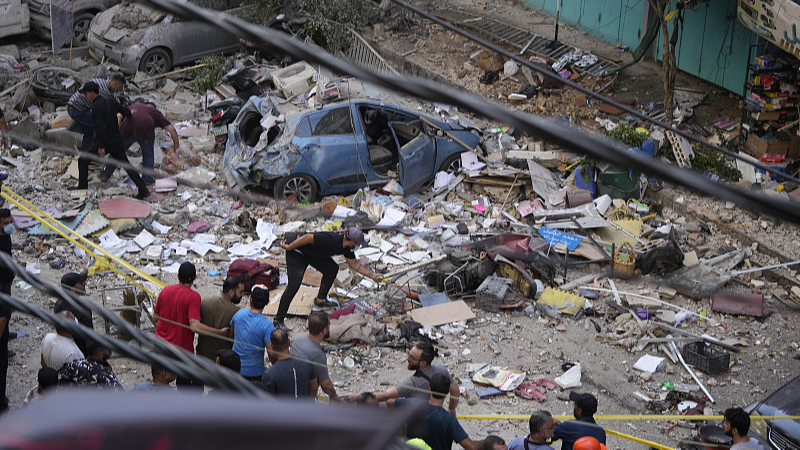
(59, 348)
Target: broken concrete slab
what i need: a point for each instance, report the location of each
(730, 303)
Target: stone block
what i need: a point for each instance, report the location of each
(294, 79)
(169, 88)
(177, 111)
(64, 138)
(202, 144)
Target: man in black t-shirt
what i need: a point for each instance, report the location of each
(316, 250)
(6, 279)
(288, 375)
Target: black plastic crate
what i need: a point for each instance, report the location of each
(706, 358)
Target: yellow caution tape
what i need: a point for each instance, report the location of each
(599, 417)
(652, 444)
(79, 241)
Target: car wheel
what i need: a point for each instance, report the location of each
(80, 26)
(301, 185)
(452, 164)
(155, 62)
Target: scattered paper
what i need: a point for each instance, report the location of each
(648, 363)
(144, 239)
(162, 229)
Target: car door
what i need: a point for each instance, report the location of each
(417, 156)
(14, 17)
(187, 40)
(332, 152)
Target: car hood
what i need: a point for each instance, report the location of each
(121, 21)
(239, 157)
(784, 402)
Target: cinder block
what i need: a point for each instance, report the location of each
(295, 79)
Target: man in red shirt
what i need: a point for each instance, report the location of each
(179, 307)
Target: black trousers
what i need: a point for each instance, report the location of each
(117, 153)
(296, 265)
(5, 287)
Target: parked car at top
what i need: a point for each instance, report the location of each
(341, 147)
(139, 38)
(14, 17)
(782, 434)
(83, 11)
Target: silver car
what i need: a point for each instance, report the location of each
(139, 38)
(83, 12)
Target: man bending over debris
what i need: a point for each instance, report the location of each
(439, 428)
(316, 250)
(108, 139)
(420, 359)
(79, 107)
(141, 128)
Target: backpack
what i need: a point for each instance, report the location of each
(254, 272)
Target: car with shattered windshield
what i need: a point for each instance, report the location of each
(139, 38)
(782, 434)
(356, 141)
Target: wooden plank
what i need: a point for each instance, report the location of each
(301, 304)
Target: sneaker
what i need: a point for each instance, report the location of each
(279, 325)
(327, 303)
(152, 198)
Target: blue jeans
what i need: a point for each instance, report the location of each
(85, 120)
(148, 160)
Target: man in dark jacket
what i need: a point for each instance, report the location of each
(108, 138)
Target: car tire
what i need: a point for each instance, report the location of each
(80, 26)
(302, 185)
(451, 164)
(155, 62)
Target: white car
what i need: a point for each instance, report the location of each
(15, 17)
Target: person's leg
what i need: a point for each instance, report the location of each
(109, 169)
(148, 161)
(296, 265)
(329, 270)
(83, 169)
(119, 155)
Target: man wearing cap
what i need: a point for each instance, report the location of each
(584, 407)
(317, 250)
(79, 107)
(76, 283)
(141, 128)
(179, 307)
(108, 138)
(6, 279)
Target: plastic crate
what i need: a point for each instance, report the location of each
(706, 358)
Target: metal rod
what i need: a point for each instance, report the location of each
(651, 299)
(686, 366)
(739, 272)
(709, 340)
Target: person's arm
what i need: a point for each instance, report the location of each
(41, 358)
(357, 267)
(100, 127)
(312, 387)
(382, 396)
(173, 134)
(122, 109)
(306, 239)
(4, 130)
(328, 388)
(455, 395)
(469, 444)
(199, 327)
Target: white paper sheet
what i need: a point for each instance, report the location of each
(144, 239)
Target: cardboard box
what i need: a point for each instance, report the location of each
(487, 60)
(758, 146)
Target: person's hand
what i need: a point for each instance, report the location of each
(225, 331)
(376, 277)
(284, 245)
(348, 398)
(101, 151)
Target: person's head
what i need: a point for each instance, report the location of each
(6, 222)
(319, 322)
(66, 315)
(47, 377)
(97, 351)
(353, 238)
(233, 289)
(259, 297)
(230, 359)
(187, 273)
(586, 443)
(493, 442)
(90, 90)
(162, 375)
(367, 398)
(116, 82)
(420, 356)
(736, 423)
(541, 426)
(585, 404)
(440, 386)
(75, 281)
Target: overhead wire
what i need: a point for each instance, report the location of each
(590, 145)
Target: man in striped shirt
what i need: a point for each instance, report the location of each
(80, 109)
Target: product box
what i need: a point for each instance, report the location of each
(758, 146)
(765, 61)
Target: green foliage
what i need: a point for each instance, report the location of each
(208, 76)
(710, 161)
(327, 20)
(627, 134)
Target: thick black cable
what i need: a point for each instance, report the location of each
(554, 76)
(590, 145)
(168, 356)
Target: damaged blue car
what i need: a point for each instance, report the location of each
(340, 147)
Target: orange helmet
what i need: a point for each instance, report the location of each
(586, 443)
(603, 447)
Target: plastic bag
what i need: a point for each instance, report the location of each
(570, 378)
